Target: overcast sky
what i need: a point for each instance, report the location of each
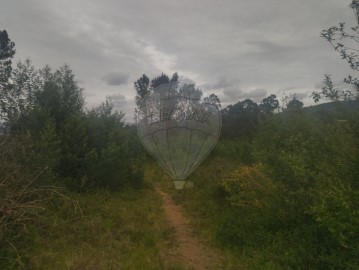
(236, 49)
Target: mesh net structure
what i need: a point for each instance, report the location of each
(179, 125)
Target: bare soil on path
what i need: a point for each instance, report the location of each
(191, 251)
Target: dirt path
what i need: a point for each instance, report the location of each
(191, 250)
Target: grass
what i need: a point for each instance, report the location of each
(116, 230)
(126, 229)
(203, 213)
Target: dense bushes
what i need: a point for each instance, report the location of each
(315, 161)
(85, 149)
(282, 190)
(50, 141)
(26, 185)
(287, 197)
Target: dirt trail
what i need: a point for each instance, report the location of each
(191, 250)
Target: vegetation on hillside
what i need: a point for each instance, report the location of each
(279, 191)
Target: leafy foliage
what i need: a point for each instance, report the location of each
(287, 197)
(242, 118)
(294, 105)
(345, 42)
(143, 85)
(52, 142)
(7, 51)
(330, 92)
(26, 188)
(280, 191)
(269, 104)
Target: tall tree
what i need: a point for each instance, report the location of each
(18, 98)
(7, 51)
(214, 100)
(269, 104)
(61, 95)
(294, 105)
(143, 85)
(240, 119)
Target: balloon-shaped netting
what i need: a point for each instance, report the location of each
(179, 126)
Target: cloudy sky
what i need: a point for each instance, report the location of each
(236, 49)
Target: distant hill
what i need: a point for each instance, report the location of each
(339, 110)
(351, 105)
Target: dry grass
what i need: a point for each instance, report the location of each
(118, 230)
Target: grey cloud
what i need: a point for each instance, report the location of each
(288, 89)
(318, 85)
(115, 78)
(272, 50)
(186, 80)
(118, 100)
(256, 93)
(337, 82)
(301, 96)
(268, 44)
(232, 93)
(297, 95)
(294, 91)
(121, 104)
(223, 82)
